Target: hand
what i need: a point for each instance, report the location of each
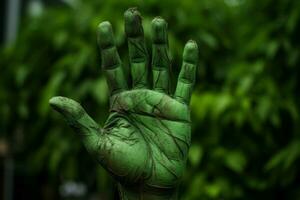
(145, 141)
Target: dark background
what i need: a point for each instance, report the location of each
(245, 108)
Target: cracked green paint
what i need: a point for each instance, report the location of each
(145, 140)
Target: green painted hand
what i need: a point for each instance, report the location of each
(145, 141)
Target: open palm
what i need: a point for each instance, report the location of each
(145, 140)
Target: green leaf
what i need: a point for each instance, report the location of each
(195, 155)
(236, 161)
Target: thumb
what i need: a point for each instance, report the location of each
(79, 120)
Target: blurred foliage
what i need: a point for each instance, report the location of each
(245, 109)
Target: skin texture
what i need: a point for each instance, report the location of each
(145, 140)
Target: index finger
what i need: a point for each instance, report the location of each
(110, 59)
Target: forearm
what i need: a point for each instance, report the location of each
(146, 193)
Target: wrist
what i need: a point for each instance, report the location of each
(142, 192)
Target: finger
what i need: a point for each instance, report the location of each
(160, 56)
(110, 59)
(137, 49)
(186, 78)
(79, 120)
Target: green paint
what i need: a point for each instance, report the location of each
(145, 140)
